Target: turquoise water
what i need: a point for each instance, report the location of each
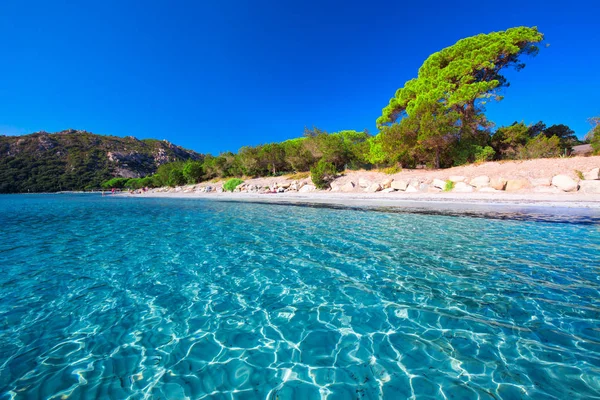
(153, 298)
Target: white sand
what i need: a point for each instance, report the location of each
(575, 204)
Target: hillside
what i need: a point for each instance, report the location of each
(76, 160)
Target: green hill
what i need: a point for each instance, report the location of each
(77, 160)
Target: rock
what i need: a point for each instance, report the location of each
(590, 186)
(457, 178)
(498, 183)
(411, 189)
(307, 188)
(388, 190)
(399, 185)
(592, 175)
(375, 187)
(541, 182)
(414, 183)
(564, 183)
(280, 190)
(462, 187)
(348, 187)
(438, 183)
(546, 189)
(219, 190)
(480, 181)
(387, 183)
(285, 185)
(433, 189)
(177, 189)
(512, 185)
(423, 187)
(300, 185)
(363, 183)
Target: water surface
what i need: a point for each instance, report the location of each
(108, 297)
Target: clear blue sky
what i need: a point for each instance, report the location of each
(215, 75)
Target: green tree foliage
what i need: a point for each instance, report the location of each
(192, 171)
(540, 147)
(508, 140)
(176, 178)
(566, 136)
(231, 184)
(593, 136)
(519, 141)
(322, 173)
(460, 75)
(445, 102)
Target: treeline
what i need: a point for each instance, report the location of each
(325, 154)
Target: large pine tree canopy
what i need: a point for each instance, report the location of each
(459, 75)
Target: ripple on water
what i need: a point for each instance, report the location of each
(133, 298)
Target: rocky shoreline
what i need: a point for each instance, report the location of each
(587, 183)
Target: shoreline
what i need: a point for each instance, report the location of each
(510, 205)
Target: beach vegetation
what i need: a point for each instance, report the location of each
(322, 173)
(449, 186)
(593, 136)
(231, 184)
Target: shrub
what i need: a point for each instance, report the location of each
(449, 186)
(322, 173)
(540, 147)
(579, 174)
(231, 184)
(484, 153)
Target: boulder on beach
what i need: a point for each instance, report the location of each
(387, 183)
(592, 175)
(590, 186)
(438, 183)
(457, 178)
(375, 187)
(307, 188)
(348, 187)
(364, 183)
(564, 183)
(399, 185)
(480, 181)
(462, 187)
(513, 185)
(498, 183)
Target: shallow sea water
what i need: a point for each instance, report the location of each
(171, 299)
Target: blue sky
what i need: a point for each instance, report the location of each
(214, 76)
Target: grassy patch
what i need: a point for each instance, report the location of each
(449, 186)
(579, 174)
(299, 175)
(392, 170)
